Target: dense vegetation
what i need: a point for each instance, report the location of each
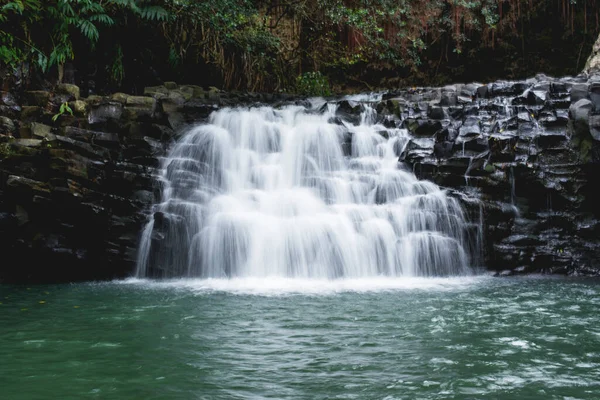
(290, 44)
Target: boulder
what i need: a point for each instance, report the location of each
(72, 91)
(157, 92)
(7, 126)
(104, 112)
(120, 97)
(140, 101)
(79, 107)
(580, 111)
(41, 131)
(579, 91)
(39, 98)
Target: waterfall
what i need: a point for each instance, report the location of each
(298, 192)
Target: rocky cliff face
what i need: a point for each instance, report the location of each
(75, 190)
(524, 156)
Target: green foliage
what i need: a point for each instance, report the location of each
(313, 84)
(116, 69)
(64, 108)
(42, 32)
(253, 44)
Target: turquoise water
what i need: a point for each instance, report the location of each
(468, 338)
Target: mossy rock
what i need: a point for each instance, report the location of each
(213, 93)
(38, 98)
(140, 101)
(28, 142)
(170, 85)
(186, 92)
(26, 187)
(41, 131)
(94, 100)
(489, 168)
(7, 126)
(136, 113)
(156, 91)
(25, 132)
(31, 113)
(197, 91)
(79, 107)
(66, 120)
(177, 97)
(120, 97)
(67, 88)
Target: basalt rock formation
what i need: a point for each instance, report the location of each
(75, 186)
(523, 154)
(76, 190)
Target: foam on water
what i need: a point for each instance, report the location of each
(275, 286)
(298, 193)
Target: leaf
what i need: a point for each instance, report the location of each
(103, 18)
(89, 30)
(154, 13)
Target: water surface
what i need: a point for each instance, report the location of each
(532, 338)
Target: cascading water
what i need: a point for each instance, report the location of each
(295, 192)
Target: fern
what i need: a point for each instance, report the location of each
(88, 30)
(154, 13)
(102, 18)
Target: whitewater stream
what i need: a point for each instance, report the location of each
(300, 192)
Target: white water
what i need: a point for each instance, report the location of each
(280, 286)
(285, 193)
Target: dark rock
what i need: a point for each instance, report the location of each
(579, 91)
(71, 91)
(93, 137)
(39, 98)
(105, 112)
(449, 96)
(7, 126)
(594, 92)
(420, 127)
(436, 112)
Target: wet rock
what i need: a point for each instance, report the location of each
(41, 131)
(470, 128)
(31, 113)
(579, 91)
(423, 128)
(72, 91)
(79, 107)
(140, 101)
(107, 139)
(7, 126)
(580, 111)
(594, 123)
(104, 112)
(39, 98)
(157, 92)
(449, 96)
(436, 112)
